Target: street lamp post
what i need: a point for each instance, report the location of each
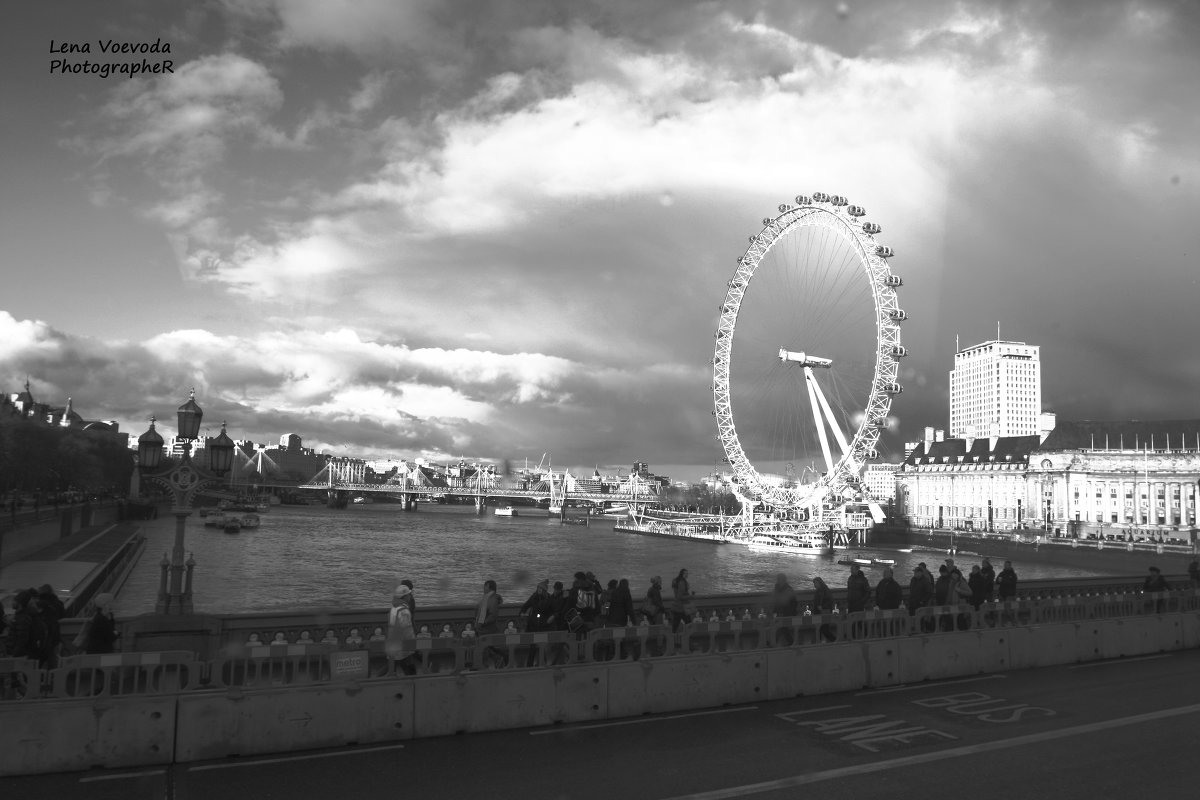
(184, 480)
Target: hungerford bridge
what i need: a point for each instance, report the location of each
(342, 479)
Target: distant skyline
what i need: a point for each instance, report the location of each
(500, 229)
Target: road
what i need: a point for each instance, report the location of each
(1123, 728)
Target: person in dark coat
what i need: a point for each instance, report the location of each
(27, 635)
(620, 606)
(783, 598)
(559, 604)
(989, 579)
(1006, 582)
(102, 631)
(52, 610)
(887, 592)
(858, 590)
(978, 586)
(941, 587)
(652, 607)
(537, 609)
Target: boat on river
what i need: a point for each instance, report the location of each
(867, 561)
(506, 511)
(679, 525)
(792, 543)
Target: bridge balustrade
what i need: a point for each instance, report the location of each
(629, 644)
(271, 665)
(116, 674)
(520, 650)
(722, 637)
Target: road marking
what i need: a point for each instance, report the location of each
(573, 728)
(1119, 661)
(940, 755)
(812, 711)
(911, 686)
(259, 761)
(65, 556)
(91, 778)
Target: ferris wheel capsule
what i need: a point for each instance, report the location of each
(803, 200)
(884, 252)
(856, 211)
(871, 228)
(820, 197)
(893, 280)
(893, 388)
(783, 207)
(767, 221)
(898, 351)
(838, 200)
(898, 314)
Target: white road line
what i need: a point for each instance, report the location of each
(284, 760)
(931, 685)
(940, 755)
(65, 556)
(815, 710)
(638, 721)
(91, 778)
(1119, 661)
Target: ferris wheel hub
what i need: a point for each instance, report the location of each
(804, 359)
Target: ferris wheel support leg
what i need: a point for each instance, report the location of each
(813, 393)
(833, 426)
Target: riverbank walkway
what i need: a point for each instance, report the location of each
(68, 564)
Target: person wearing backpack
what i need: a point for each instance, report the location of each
(585, 600)
(683, 607)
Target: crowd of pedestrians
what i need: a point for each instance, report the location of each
(34, 630)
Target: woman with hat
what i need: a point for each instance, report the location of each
(400, 635)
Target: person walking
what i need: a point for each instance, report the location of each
(989, 579)
(27, 633)
(102, 633)
(620, 606)
(858, 590)
(1006, 582)
(52, 611)
(683, 606)
(783, 598)
(887, 593)
(537, 609)
(558, 604)
(1194, 574)
(399, 645)
(1154, 584)
(652, 605)
(487, 621)
(978, 586)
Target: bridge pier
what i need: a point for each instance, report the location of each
(338, 498)
(480, 504)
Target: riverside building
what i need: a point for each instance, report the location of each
(996, 390)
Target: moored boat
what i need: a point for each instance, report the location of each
(698, 527)
(790, 543)
(506, 511)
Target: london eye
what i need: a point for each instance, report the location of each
(807, 357)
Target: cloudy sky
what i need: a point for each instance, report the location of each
(502, 229)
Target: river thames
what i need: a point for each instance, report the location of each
(307, 557)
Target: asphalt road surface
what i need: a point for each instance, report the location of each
(1123, 728)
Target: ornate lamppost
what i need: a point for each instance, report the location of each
(184, 480)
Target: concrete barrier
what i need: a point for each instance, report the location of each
(70, 735)
(484, 701)
(126, 674)
(219, 724)
(685, 682)
(828, 668)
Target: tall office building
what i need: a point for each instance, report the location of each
(995, 390)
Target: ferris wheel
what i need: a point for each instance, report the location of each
(807, 352)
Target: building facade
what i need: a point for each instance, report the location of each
(880, 480)
(996, 390)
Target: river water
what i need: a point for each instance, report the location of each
(307, 557)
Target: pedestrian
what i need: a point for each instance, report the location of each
(652, 604)
(858, 590)
(1154, 584)
(620, 608)
(606, 596)
(487, 610)
(537, 609)
(487, 622)
(989, 579)
(1194, 574)
(558, 608)
(887, 592)
(1006, 582)
(585, 599)
(399, 646)
(102, 634)
(783, 598)
(27, 634)
(822, 603)
(683, 606)
(941, 587)
(977, 585)
(52, 611)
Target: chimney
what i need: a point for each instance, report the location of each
(928, 437)
(939, 435)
